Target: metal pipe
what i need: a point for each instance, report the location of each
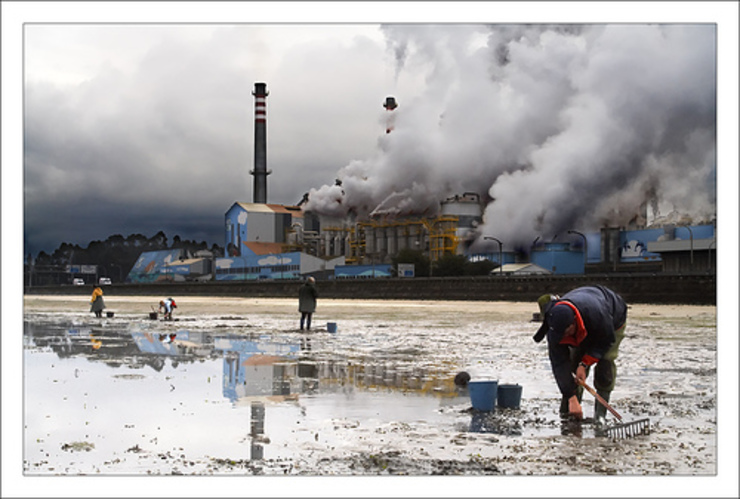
(500, 253)
(585, 248)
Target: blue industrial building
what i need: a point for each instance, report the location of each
(612, 248)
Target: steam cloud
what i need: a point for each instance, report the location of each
(556, 127)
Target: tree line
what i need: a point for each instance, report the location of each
(114, 257)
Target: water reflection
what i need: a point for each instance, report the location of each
(255, 366)
(291, 383)
(257, 431)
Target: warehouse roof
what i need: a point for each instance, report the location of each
(520, 268)
(294, 211)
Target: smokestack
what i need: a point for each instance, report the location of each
(260, 172)
(389, 105)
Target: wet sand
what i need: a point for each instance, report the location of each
(669, 374)
(190, 306)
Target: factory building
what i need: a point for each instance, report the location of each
(264, 240)
(249, 225)
(276, 265)
(274, 241)
(171, 265)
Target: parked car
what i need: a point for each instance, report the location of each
(104, 280)
(78, 282)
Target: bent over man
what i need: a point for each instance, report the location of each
(584, 328)
(167, 306)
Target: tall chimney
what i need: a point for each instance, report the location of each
(389, 105)
(260, 172)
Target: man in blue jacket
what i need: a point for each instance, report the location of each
(584, 328)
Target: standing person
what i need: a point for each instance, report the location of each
(307, 295)
(97, 304)
(167, 306)
(584, 328)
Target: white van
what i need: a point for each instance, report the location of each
(78, 282)
(104, 280)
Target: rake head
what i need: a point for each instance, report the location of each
(627, 430)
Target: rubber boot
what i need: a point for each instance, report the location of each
(600, 409)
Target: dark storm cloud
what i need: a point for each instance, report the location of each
(159, 141)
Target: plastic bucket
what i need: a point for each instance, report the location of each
(109, 314)
(509, 396)
(483, 394)
(331, 327)
(153, 315)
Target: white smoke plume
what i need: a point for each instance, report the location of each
(558, 127)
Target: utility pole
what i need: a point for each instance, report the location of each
(500, 254)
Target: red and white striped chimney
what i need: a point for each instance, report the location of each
(389, 105)
(260, 172)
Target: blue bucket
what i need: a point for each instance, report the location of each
(331, 327)
(509, 396)
(483, 394)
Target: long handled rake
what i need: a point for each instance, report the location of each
(621, 429)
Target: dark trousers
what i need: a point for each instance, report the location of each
(306, 318)
(605, 375)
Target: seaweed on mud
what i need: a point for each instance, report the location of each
(78, 446)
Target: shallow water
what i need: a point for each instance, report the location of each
(228, 395)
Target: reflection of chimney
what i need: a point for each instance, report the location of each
(260, 172)
(390, 104)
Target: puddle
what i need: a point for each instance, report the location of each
(228, 395)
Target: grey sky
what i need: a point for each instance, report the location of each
(133, 128)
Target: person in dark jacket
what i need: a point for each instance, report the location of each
(307, 295)
(97, 304)
(584, 328)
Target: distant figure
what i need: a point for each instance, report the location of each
(167, 306)
(97, 304)
(307, 295)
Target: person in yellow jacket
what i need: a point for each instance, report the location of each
(97, 304)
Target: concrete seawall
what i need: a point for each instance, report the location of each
(643, 288)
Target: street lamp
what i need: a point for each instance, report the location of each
(585, 248)
(691, 236)
(500, 254)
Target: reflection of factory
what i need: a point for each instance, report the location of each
(253, 367)
(272, 241)
(257, 368)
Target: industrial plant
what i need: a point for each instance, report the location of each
(263, 240)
